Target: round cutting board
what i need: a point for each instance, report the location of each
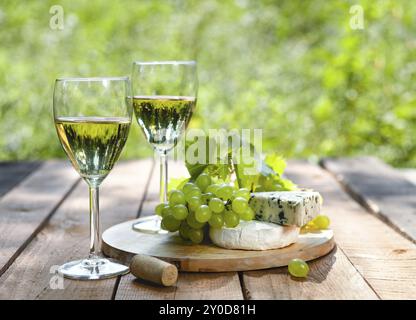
(121, 242)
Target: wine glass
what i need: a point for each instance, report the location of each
(164, 98)
(92, 118)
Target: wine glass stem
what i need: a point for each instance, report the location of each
(94, 223)
(163, 155)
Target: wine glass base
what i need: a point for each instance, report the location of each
(92, 269)
(149, 225)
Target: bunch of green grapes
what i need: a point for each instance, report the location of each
(202, 204)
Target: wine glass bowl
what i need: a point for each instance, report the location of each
(92, 119)
(163, 118)
(164, 99)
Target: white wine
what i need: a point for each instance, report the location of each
(93, 144)
(163, 118)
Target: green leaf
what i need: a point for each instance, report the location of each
(244, 180)
(177, 183)
(267, 177)
(276, 162)
(221, 171)
(195, 169)
(218, 169)
(288, 185)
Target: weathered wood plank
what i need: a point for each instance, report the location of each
(190, 285)
(331, 277)
(12, 173)
(382, 256)
(25, 209)
(65, 237)
(379, 188)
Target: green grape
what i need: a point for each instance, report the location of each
(231, 219)
(170, 223)
(195, 187)
(194, 192)
(184, 230)
(203, 181)
(247, 215)
(166, 211)
(180, 212)
(159, 208)
(213, 188)
(176, 197)
(196, 235)
(206, 197)
(203, 213)
(298, 268)
(188, 186)
(190, 219)
(239, 205)
(216, 221)
(194, 203)
(309, 227)
(243, 193)
(234, 195)
(225, 192)
(216, 205)
(321, 221)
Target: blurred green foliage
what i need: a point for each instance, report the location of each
(294, 68)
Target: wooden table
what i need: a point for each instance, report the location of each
(44, 222)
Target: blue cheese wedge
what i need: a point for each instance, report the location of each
(286, 207)
(254, 235)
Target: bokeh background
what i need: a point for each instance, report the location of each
(292, 67)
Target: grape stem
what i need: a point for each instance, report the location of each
(234, 171)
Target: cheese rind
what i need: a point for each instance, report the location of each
(286, 207)
(254, 235)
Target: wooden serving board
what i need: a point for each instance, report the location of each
(121, 242)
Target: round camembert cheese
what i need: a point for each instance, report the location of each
(255, 235)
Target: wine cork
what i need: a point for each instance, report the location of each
(154, 270)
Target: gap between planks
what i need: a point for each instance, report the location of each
(13, 173)
(65, 237)
(29, 205)
(380, 189)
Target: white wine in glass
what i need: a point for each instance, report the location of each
(92, 118)
(164, 99)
